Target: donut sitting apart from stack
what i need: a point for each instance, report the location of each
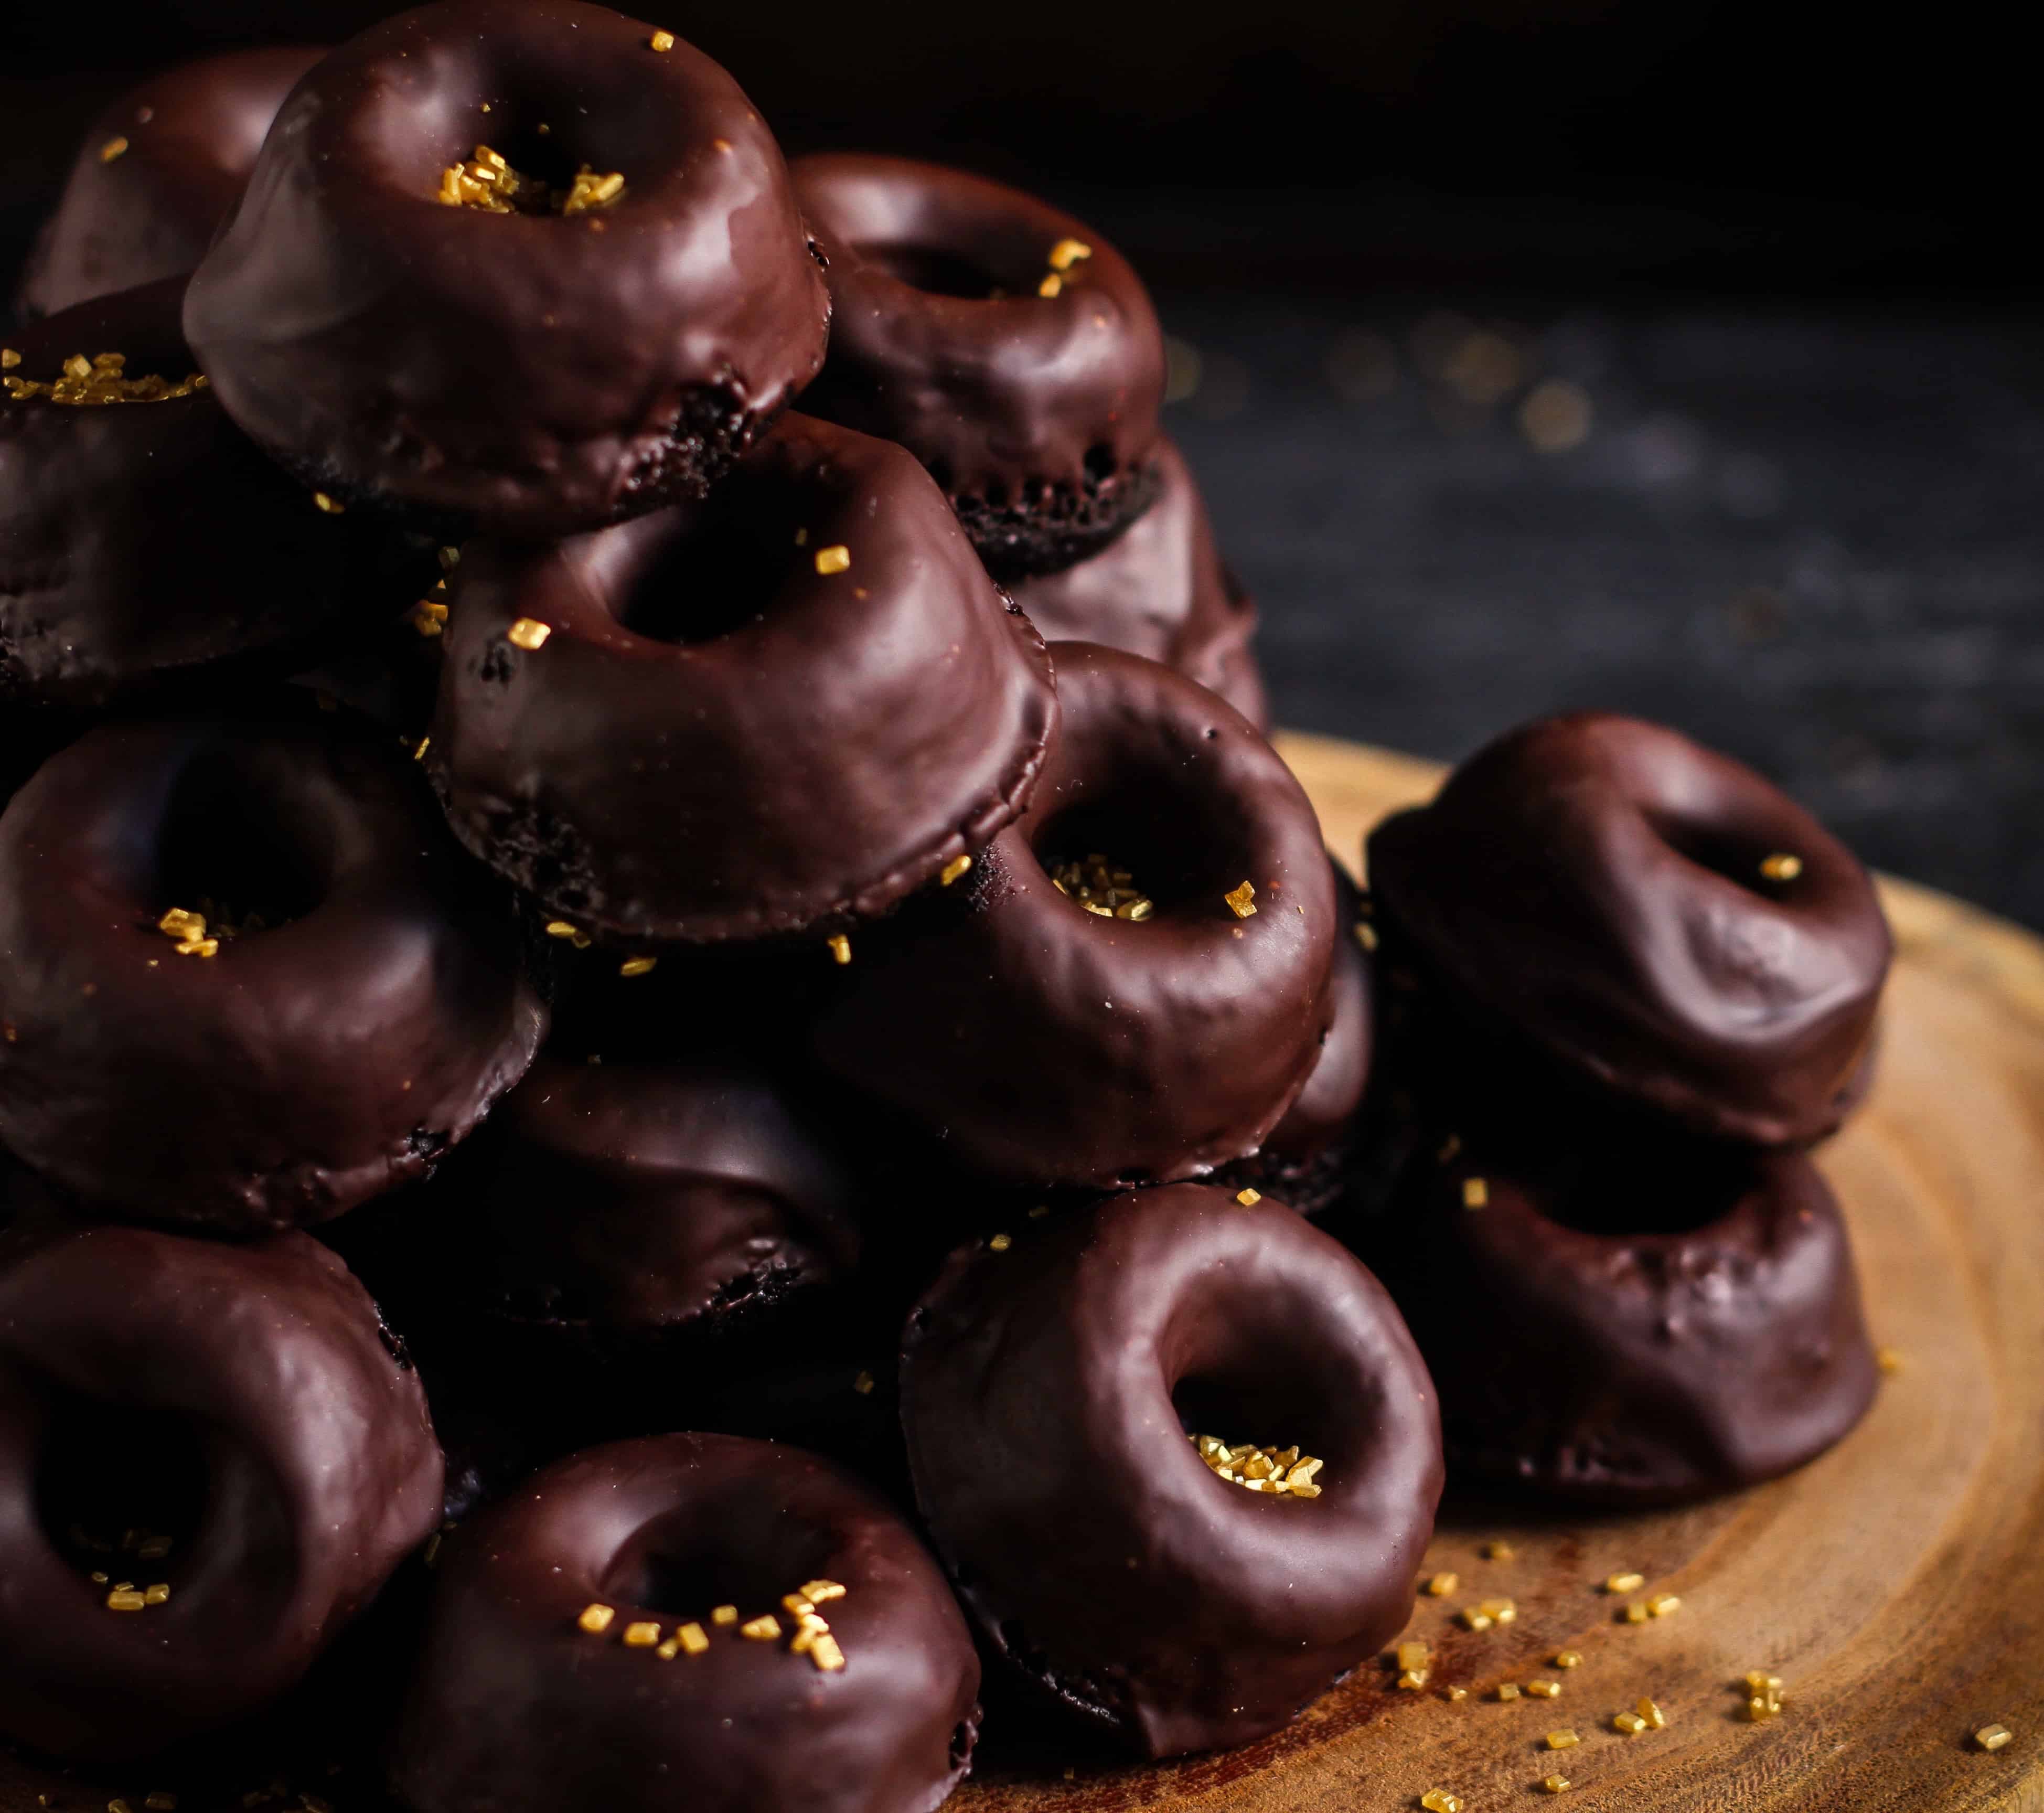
(1005, 345)
(513, 265)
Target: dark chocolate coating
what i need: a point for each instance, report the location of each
(644, 1197)
(537, 374)
(1047, 1393)
(716, 740)
(1594, 884)
(513, 1706)
(147, 548)
(303, 1067)
(1048, 1046)
(151, 210)
(245, 1400)
(1159, 590)
(1629, 1319)
(1036, 414)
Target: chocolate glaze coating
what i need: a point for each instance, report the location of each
(245, 1400)
(151, 210)
(1629, 1320)
(1036, 413)
(1159, 590)
(514, 1706)
(151, 547)
(642, 1198)
(538, 373)
(1048, 1046)
(1594, 882)
(1047, 1393)
(303, 1067)
(717, 740)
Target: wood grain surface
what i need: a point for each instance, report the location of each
(1896, 1585)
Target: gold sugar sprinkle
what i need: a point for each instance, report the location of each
(1067, 253)
(797, 1605)
(1624, 1582)
(1544, 1689)
(561, 928)
(1050, 286)
(1568, 1659)
(1242, 901)
(953, 869)
(1782, 867)
(668, 1651)
(1650, 1711)
(1412, 1679)
(1664, 1605)
(161, 1802)
(419, 754)
(1993, 1737)
(863, 1384)
(429, 618)
(661, 41)
(1556, 1784)
(1506, 1690)
(118, 1806)
(825, 1653)
(331, 506)
(588, 189)
(642, 1635)
(112, 148)
(1764, 1695)
(1635, 1613)
(596, 1618)
(9, 359)
(1495, 1551)
(822, 1592)
(1476, 1618)
(1439, 1800)
(763, 1629)
(724, 1614)
(693, 1638)
(487, 184)
(159, 1594)
(529, 632)
(1249, 1199)
(449, 558)
(834, 559)
(1366, 935)
(1103, 889)
(637, 966)
(125, 1598)
(841, 947)
(1630, 1723)
(1476, 1193)
(1441, 1585)
(1564, 1739)
(1499, 1610)
(1413, 1655)
(1001, 1243)
(1455, 1693)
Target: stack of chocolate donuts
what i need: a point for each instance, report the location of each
(685, 1063)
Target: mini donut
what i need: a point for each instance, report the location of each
(1007, 345)
(350, 1009)
(1050, 1043)
(1047, 1393)
(1654, 915)
(231, 1423)
(1619, 1319)
(158, 172)
(573, 1658)
(797, 704)
(381, 317)
(146, 546)
(1306, 1159)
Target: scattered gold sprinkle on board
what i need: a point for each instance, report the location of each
(1441, 1585)
(1993, 1737)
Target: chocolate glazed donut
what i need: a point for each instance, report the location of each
(1005, 345)
(1654, 915)
(797, 704)
(572, 1659)
(1161, 1034)
(610, 337)
(146, 544)
(159, 171)
(1621, 1320)
(210, 1459)
(1159, 590)
(1048, 1391)
(349, 1009)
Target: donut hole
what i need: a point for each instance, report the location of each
(714, 578)
(714, 1553)
(121, 1490)
(935, 270)
(1271, 1402)
(225, 853)
(1628, 1190)
(1150, 831)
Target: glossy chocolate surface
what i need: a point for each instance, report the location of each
(515, 1706)
(301, 1068)
(1159, 590)
(150, 549)
(1046, 1045)
(720, 738)
(536, 373)
(158, 172)
(1595, 884)
(1036, 411)
(244, 1401)
(1047, 1394)
(1628, 1319)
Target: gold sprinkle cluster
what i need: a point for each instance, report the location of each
(811, 1635)
(1064, 255)
(487, 183)
(144, 1544)
(89, 383)
(1101, 889)
(1482, 1615)
(1283, 1472)
(1764, 1696)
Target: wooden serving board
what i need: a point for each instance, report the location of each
(1896, 1585)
